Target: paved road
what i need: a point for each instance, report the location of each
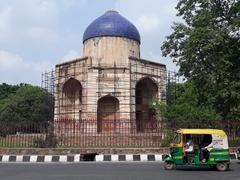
(112, 171)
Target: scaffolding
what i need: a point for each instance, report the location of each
(48, 84)
(99, 80)
(108, 104)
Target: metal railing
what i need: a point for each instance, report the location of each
(81, 133)
(93, 133)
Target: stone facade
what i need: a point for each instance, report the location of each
(110, 83)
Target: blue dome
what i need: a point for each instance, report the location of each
(111, 24)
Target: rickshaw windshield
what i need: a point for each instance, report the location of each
(177, 138)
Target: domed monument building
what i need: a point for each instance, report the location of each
(111, 84)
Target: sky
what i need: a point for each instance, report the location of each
(35, 35)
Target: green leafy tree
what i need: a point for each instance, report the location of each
(185, 111)
(206, 46)
(6, 90)
(29, 103)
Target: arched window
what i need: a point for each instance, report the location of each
(72, 99)
(107, 113)
(145, 91)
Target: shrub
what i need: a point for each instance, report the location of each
(50, 141)
(167, 140)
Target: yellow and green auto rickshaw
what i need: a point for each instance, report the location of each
(201, 147)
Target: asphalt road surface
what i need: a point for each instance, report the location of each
(112, 171)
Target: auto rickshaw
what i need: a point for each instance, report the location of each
(209, 148)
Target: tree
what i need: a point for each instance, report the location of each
(185, 110)
(206, 46)
(29, 103)
(6, 90)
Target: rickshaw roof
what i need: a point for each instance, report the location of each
(202, 131)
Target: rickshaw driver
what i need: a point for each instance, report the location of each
(205, 151)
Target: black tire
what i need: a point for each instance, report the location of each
(168, 165)
(222, 166)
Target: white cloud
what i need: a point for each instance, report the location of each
(72, 54)
(9, 60)
(5, 16)
(36, 12)
(29, 20)
(31, 27)
(42, 34)
(14, 69)
(72, 3)
(147, 24)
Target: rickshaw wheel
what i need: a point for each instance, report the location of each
(222, 166)
(168, 165)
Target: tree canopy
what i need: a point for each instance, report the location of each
(185, 111)
(206, 46)
(25, 103)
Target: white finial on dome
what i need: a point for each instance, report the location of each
(112, 11)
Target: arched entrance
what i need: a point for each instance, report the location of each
(72, 99)
(107, 113)
(146, 89)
